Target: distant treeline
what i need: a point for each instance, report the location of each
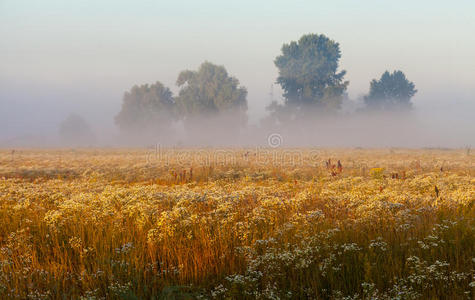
(206, 95)
(309, 75)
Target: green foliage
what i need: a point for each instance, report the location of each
(210, 90)
(308, 73)
(146, 107)
(177, 293)
(391, 91)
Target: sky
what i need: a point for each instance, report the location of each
(62, 56)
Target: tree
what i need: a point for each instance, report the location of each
(391, 91)
(209, 91)
(212, 104)
(308, 74)
(147, 109)
(75, 131)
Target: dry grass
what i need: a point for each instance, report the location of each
(253, 223)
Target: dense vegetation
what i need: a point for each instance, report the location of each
(237, 224)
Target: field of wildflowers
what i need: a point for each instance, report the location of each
(237, 224)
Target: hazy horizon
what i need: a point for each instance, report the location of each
(58, 58)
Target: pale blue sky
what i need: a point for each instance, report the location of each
(98, 49)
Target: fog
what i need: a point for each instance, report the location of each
(30, 117)
(59, 58)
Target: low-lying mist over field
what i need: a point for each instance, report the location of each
(32, 119)
(182, 76)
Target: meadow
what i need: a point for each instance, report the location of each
(257, 223)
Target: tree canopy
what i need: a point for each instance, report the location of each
(391, 91)
(209, 90)
(146, 107)
(210, 101)
(308, 73)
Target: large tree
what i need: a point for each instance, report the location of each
(210, 90)
(212, 104)
(146, 109)
(392, 91)
(308, 74)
